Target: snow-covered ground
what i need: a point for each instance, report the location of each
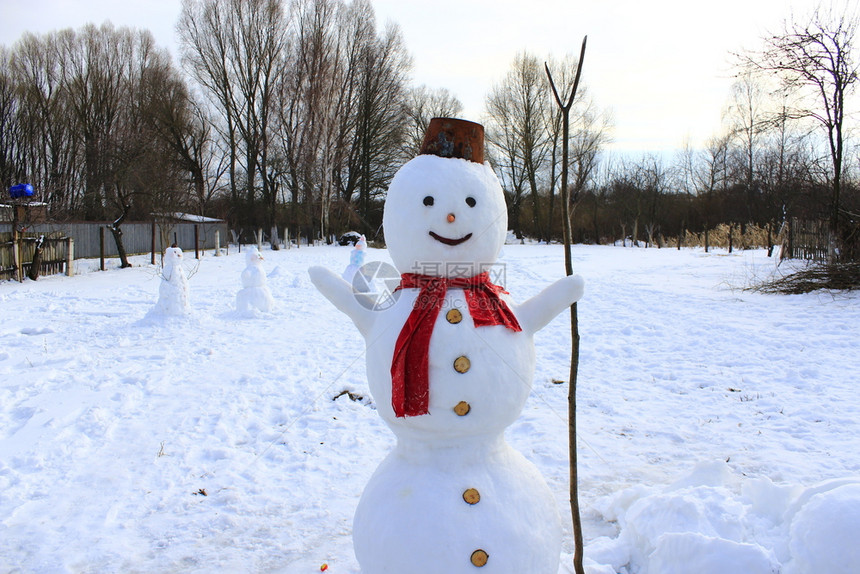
(719, 430)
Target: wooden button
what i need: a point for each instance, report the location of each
(462, 364)
(462, 408)
(479, 558)
(472, 496)
(454, 316)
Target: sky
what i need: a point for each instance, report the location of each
(663, 68)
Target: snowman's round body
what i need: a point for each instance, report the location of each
(453, 496)
(255, 293)
(173, 290)
(453, 487)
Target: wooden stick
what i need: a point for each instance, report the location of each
(574, 320)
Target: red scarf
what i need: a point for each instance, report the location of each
(410, 385)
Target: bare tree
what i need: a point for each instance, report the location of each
(525, 132)
(47, 129)
(143, 174)
(93, 64)
(816, 56)
(82, 137)
(516, 109)
(748, 121)
(682, 179)
(785, 165)
(628, 196)
(9, 134)
(652, 178)
(260, 40)
(236, 50)
(712, 177)
(423, 104)
(183, 127)
(204, 44)
(340, 120)
(311, 101)
(379, 117)
(590, 136)
(589, 133)
(504, 152)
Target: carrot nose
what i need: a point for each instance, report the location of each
(451, 218)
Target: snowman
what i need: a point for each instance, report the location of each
(173, 290)
(450, 364)
(255, 292)
(352, 273)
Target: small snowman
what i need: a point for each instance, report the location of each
(255, 292)
(173, 290)
(352, 274)
(450, 364)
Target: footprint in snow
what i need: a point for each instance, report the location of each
(35, 331)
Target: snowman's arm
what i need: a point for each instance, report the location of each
(534, 314)
(340, 293)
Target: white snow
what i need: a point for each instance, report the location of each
(718, 428)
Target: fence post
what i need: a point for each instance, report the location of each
(791, 238)
(152, 248)
(102, 248)
(196, 241)
(217, 243)
(731, 229)
(16, 253)
(70, 257)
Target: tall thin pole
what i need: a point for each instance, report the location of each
(574, 320)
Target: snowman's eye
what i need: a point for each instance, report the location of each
(428, 201)
(470, 201)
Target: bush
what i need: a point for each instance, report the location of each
(749, 236)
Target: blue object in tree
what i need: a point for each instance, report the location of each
(21, 190)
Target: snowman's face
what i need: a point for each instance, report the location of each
(444, 217)
(172, 256)
(253, 257)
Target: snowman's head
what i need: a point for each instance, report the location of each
(445, 217)
(172, 256)
(253, 257)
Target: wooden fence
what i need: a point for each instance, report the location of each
(16, 255)
(92, 240)
(807, 239)
(137, 237)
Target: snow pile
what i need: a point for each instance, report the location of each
(825, 530)
(702, 524)
(695, 525)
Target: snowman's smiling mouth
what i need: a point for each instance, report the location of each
(448, 241)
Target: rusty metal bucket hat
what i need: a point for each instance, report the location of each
(451, 137)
